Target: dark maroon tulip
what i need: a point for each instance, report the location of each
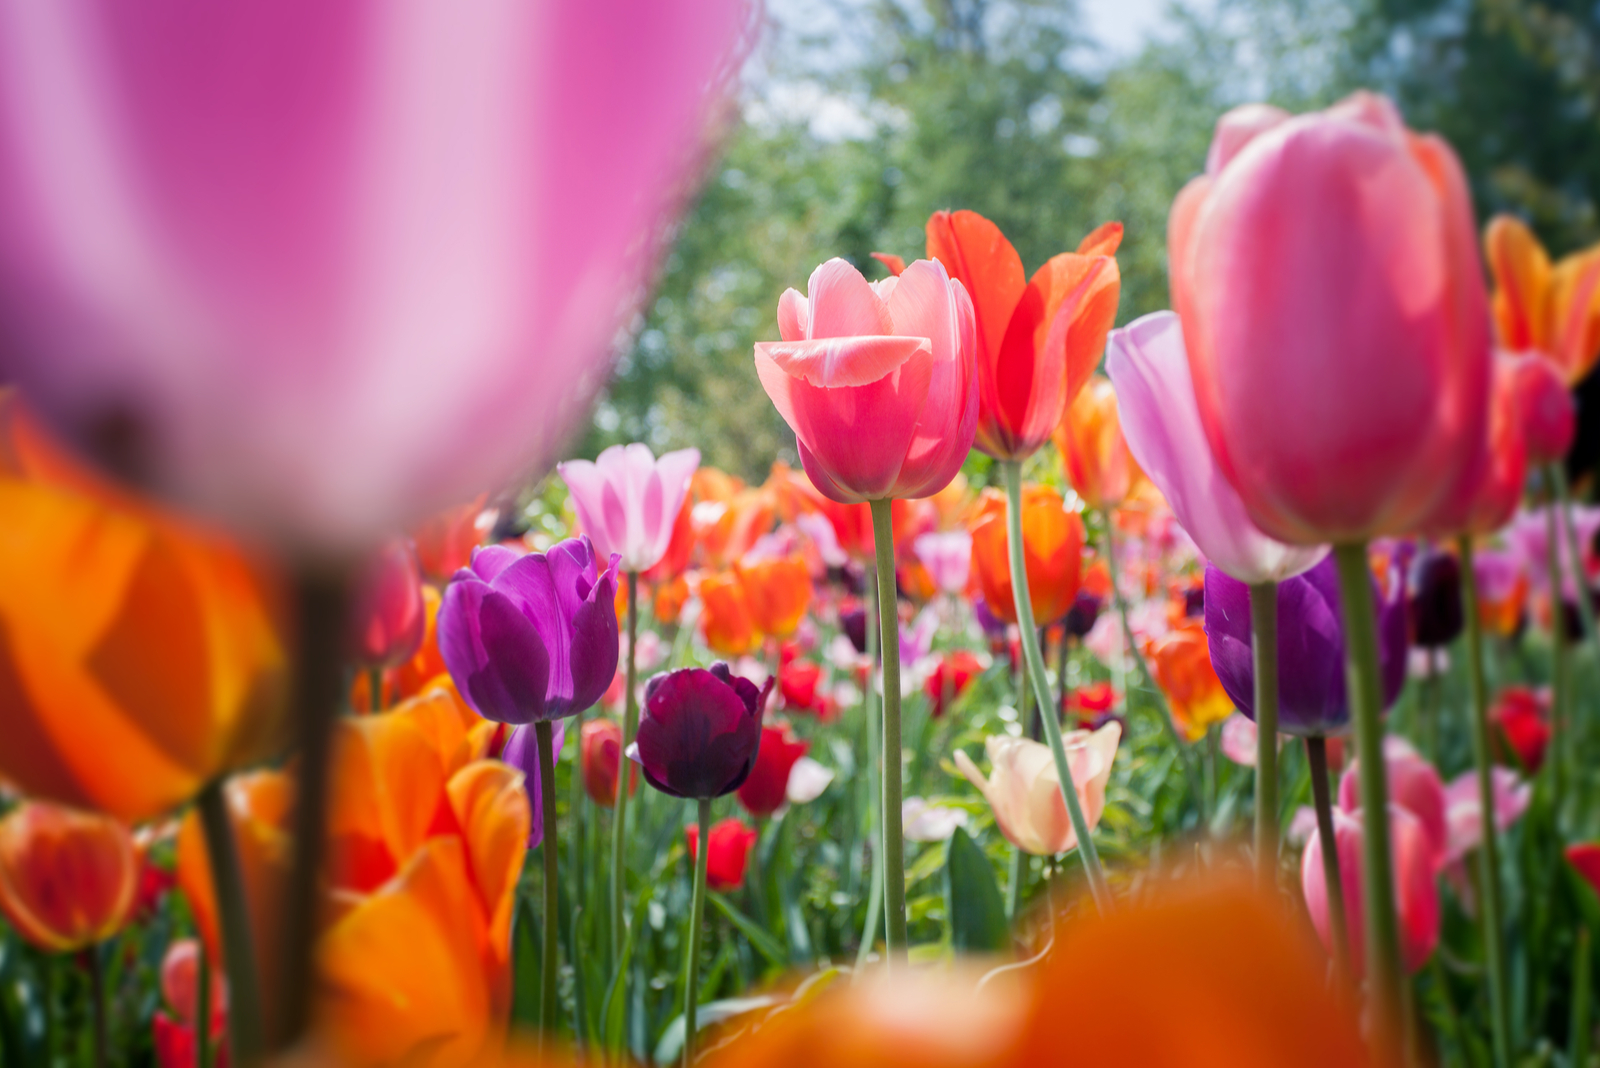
(1080, 619)
(699, 731)
(854, 624)
(390, 614)
(532, 637)
(1436, 616)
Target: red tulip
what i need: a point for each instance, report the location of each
(729, 848)
(1521, 717)
(1549, 414)
(601, 752)
(68, 877)
(1333, 254)
(1585, 858)
(390, 614)
(797, 682)
(949, 678)
(175, 1038)
(766, 788)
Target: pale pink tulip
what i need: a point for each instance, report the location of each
(877, 380)
(1413, 784)
(1327, 273)
(1464, 809)
(627, 500)
(323, 268)
(1025, 793)
(1161, 422)
(948, 557)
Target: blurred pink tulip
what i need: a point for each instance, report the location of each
(878, 380)
(390, 614)
(1413, 784)
(627, 500)
(1499, 489)
(1549, 414)
(1161, 422)
(1327, 273)
(322, 268)
(1415, 880)
(1464, 809)
(1025, 792)
(948, 557)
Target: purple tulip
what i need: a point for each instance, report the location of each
(522, 753)
(1311, 695)
(699, 731)
(532, 637)
(1080, 619)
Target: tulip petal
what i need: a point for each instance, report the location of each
(495, 650)
(843, 304)
(977, 254)
(1236, 128)
(1103, 240)
(794, 315)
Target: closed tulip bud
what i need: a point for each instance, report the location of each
(1052, 549)
(602, 761)
(1436, 616)
(1094, 453)
(1024, 789)
(1181, 663)
(389, 615)
(699, 731)
(767, 786)
(1548, 413)
(797, 683)
(68, 878)
(1413, 784)
(727, 852)
(628, 501)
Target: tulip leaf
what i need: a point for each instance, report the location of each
(525, 952)
(708, 1013)
(759, 937)
(613, 1012)
(976, 910)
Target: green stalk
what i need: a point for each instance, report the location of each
(874, 922)
(552, 899)
(1557, 477)
(1488, 850)
(1366, 705)
(1185, 757)
(697, 909)
(1019, 874)
(619, 822)
(1264, 652)
(576, 838)
(1560, 669)
(375, 690)
(894, 867)
(1322, 799)
(233, 918)
(97, 999)
(1011, 472)
(1579, 1029)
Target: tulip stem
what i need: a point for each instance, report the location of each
(1578, 1033)
(1322, 800)
(1185, 758)
(1264, 651)
(545, 738)
(1362, 684)
(1557, 476)
(1560, 672)
(697, 910)
(894, 868)
(1488, 850)
(619, 822)
(874, 921)
(233, 918)
(97, 999)
(1011, 472)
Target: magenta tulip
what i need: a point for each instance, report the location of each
(323, 268)
(1549, 415)
(390, 613)
(1327, 273)
(878, 380)
(627, 500)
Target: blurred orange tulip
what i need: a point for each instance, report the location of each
(1181, 663)
(669, 600)
(122, 624)
(1094, 454)
(1553, 310)
(445, 540)
(777, 591)
(1052, 544)
(725, 615)
(68, 878)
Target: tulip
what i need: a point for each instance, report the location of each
(1161, 419)
(445, 540)
(1415, 864)
(767, 786)
(1036, 342)
(531, 638)
(176, 1037)
(1550, 310)
(1502, 590)
(699, 731)
(1436, 617)
(126, 625)
(628, 502)
(1316, 256)
(1464, 809)
(807, 780)
(1414, 784)
(521, 752)
(1025, 793)
(329, 309)
(390, 615)
(1080, 619)
(1094, 453)
(1521, 719)
(777, 591)
(797, 683)
(877, 380)
(1181, 665)
(948, 557)
(1240, 740)
(1547, 413)
(725, 616)
(1498, 491)
(67, 877)
(950, 679)
(601, 755)
(1585, 859)
(1092, 699)
(727, 852)
(854, 625)
(1052, 543)
(926, 823)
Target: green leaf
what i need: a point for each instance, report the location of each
(977, 912)
(613, 1012)
(525, 964)
(759, 937)
(708, 1013)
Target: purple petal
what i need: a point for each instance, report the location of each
(530, 585)
(494, 653)
(1227, 624)
(490, 561)
(697, 738)
(522, 752)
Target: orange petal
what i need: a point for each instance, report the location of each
(895, 264)
(492, 808)
(1103, 240)
(1521, 271)
(1575, 314)
(974, 251)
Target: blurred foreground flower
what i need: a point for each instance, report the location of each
(1023, 789)
(67, 877)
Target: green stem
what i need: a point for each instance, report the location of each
(1581, 979)
(1558, 478)
(697, 909)
(97, 999)
(619, 822)
(1366, 705)
(1185, 757)
(1560, 655)
(233, 919)
(1488, 850)
(1322, 800)
(869, 700)
(552, 899)
(1264, 652)
(575, 838)
(894, 868)
(202, 1009)
(1011, 471)
(375, 690)
(1019, 873)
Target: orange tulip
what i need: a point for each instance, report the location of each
(1094, 454)
(445, 541)
(1181, 662)
(670, 597)
(1553, 310)
(777, 591)
(1052, 545)
(123, 624)
(725, 615)
(68, 878)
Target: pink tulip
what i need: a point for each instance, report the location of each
(1413, 784)
(323, 268)
(1025, 793)
(1464, 809)
(1415, 880)
(1498, 492)
(1549, 414)
(948, 557)
(878, 380)
(1327, 274)
(390, 613)
(627, 500)
(1161, 422)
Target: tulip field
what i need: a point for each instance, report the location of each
(517, 550)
